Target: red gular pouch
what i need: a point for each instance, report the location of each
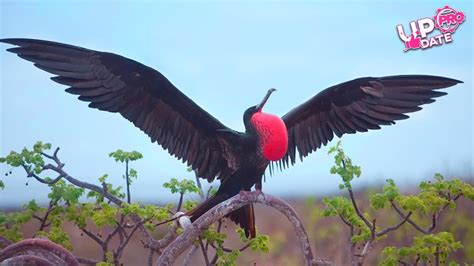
(272, 133)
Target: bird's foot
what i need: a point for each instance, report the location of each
(260, 193)
(245, 194)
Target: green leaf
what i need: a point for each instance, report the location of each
(104, 215)
(189, 205)
(123, 156)
(378, 201)
(182, 187)
(343, 166)
(389, 256)
(260, 243)
(31, 206)
(57, 235)
(227, 259)
(212, 236)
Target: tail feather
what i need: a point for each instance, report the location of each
(244, 216)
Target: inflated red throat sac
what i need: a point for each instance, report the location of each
(272, 134)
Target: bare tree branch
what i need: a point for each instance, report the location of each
(27, 260)
(150, 257)
(38, 247)
(151, 242)
(87, 261)
(178, 208)
(204, 251)
(345, 221)
(188, 259)
(45, 218)
(395, 227)
(400, 212)
(186, 239)
(93, 237)
(178, 246)
(127, 179)
(146, 237)
(125, 242)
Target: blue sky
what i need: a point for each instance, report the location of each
(225, 56)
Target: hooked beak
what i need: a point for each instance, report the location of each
(260, 106)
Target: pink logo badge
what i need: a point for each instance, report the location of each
(446, 20)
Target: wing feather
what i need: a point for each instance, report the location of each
(357, 106)
(113, 83)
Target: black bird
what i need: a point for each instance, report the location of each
(145, 97)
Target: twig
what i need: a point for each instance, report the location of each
(359, 213)
(437, 256)
(417, 227)
(127, 178)
(126, 240)
(87, 261)
(417, 260)
(434, 217)
(198, 183)
(45, 218)
(54, 157)
(150, 256)
(228, 250)
(62, 174)
(402, 262)
(204, 251)
(93, 237)
(395, 227)
(345, 221)
(180, 202)
(113, 233)
(354, 203)
(364, 251)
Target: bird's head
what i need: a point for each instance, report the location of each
(256, 109)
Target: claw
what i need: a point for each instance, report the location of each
(246, 194)
(260, 193)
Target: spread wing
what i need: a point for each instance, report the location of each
(139, 93)
(357, 106)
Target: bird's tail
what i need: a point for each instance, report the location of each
(243, 216)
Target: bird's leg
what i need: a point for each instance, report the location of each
(258, 189)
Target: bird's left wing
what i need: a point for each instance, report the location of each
(139, 93)
(356, 106)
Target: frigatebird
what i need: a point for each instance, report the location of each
(113, 83)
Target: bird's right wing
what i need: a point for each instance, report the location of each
(139, 93)
(356, 106)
